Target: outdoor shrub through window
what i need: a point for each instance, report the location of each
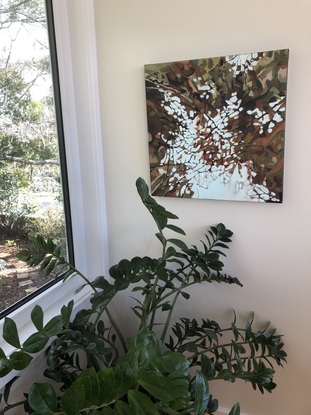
(31, 146)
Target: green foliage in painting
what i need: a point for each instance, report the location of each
(218, 118)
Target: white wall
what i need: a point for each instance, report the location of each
(271, 247)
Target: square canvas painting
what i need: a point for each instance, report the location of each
(216, 127)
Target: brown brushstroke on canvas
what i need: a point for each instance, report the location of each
(218, 120)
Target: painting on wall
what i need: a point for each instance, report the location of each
(216, 127)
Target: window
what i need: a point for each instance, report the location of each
(76, 46)
(33, 172)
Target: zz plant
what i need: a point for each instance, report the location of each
(167, 366)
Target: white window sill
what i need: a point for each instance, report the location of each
(51, 302)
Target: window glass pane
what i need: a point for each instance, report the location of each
(31, 196)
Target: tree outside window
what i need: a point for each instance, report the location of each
(31, 197)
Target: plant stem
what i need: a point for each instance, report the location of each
(117, 329)
(13, 405)
(168, 319)
(77, 272)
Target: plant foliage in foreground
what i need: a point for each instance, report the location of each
(102, 372)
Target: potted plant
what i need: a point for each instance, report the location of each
(166, 367)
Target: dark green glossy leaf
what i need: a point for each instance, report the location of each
(20, 360)
(141, 404)
(42, 398)
(235, 410)
(54, 326)
(114, 383)
(100, 282)
(125, 378)
(202, 395)
(37, 317)
(24, 255)
(36, 259)
(176, 229)
(190, 347)
(185, 295)
(174, 362)
(178, 242)
(171, 251)
(122, 408)
(107, 410)
(82, 317)
(73, 399)
(46, 262)
(158, 386)
(142, 188)
(161, 237)
(79, 289)
(35, 343)
(182, 382)
(107, 386)
(66, 313)
(91, 395)
(207, 366)
(5, 367)
(166, 306)
(10, 333)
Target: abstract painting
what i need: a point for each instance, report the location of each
(216, 127)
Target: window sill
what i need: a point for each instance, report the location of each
(51, 301)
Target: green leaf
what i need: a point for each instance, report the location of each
(86, 383)
(158, 386)
(125, 378)
(176, 229)
(10, 333)
(37, 317)
(122, 408)
(161, 238)
(191, 347)
(66, 313)
(185, 295)
(171, 251)
(105, 411)
(54, 326)
(42, 398)
(174, 361)
(169, 410)
(107, 386)
(20, 360)
(5, 367)
(202, 395)
(35, 343)
(141, 404)
(45, 263)
(182, 382)
(178, 243)
(24, 255)
(91, 385)
(235, 409)
(207, 366)
(73, 399)
(142, 188)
